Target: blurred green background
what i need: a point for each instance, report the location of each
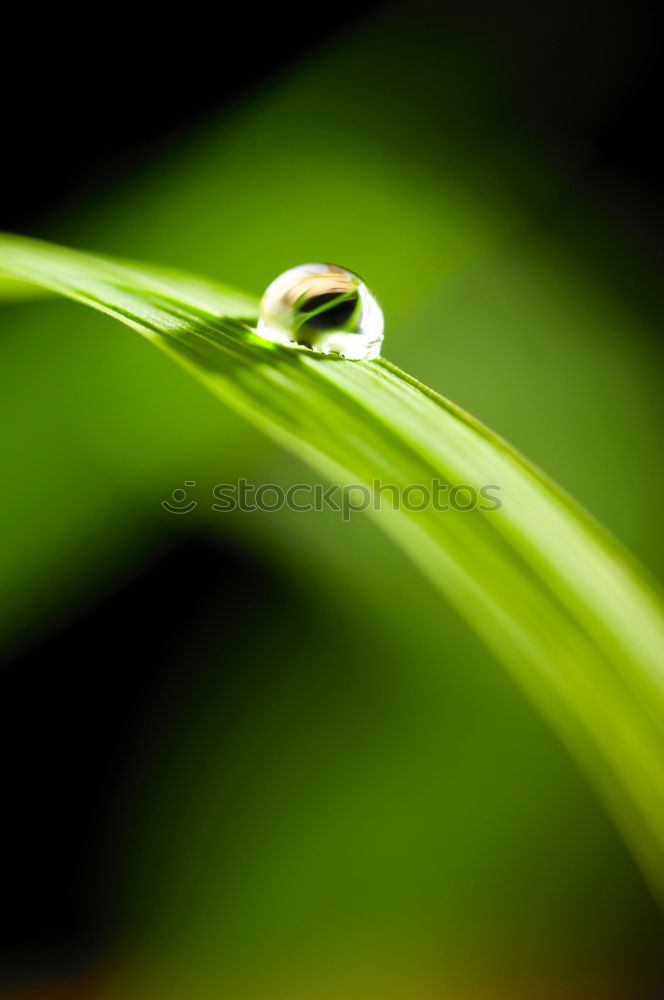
(352, 800)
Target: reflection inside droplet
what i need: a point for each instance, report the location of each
(324, 308)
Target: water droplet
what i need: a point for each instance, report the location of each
(324, 308)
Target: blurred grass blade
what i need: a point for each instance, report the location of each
(12, 290)
(574, 619)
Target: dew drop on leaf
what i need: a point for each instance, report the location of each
(324, 308)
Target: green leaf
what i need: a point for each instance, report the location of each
(566, 610)
(12, 290)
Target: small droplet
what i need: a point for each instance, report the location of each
(324, 308)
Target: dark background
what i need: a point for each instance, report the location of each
(83, 102)
(82, 107)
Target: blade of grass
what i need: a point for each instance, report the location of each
(566, 610)
(12, 290)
